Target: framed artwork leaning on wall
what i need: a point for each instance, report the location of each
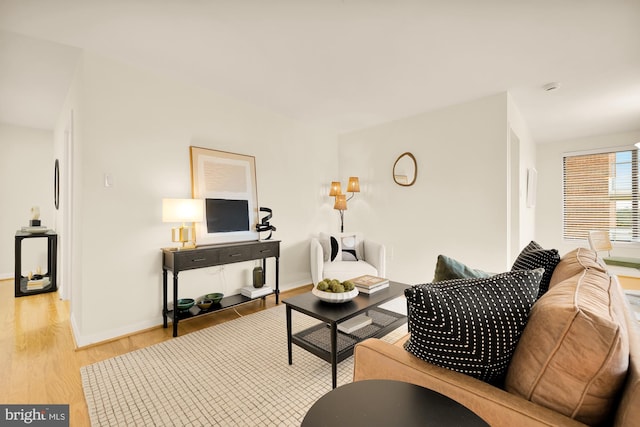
(227, 184)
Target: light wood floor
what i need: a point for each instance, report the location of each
(39, 363)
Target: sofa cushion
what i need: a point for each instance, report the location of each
(576, 262)
(449, 268)
(534, 256)
(471, 325)
(574, 353)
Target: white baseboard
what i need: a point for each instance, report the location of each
(89, 339)
(294, 285)
(85, 340)
(6, 276)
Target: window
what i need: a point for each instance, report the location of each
(600, 192)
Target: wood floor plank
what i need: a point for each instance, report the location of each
(40, 363)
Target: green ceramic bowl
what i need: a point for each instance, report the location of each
(185, 303)
(215, 297)
(204, 303)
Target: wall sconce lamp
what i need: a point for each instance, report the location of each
(184, 211)
(353, 186)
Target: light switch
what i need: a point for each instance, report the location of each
(108, 180)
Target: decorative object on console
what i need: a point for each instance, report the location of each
(185, 304)
(258, 277)
(35, 217)
(463, 316)
(264, 223)
(252, 292)
(204, 304)
(405, 170)
(35, 226)
(340, 204)
(227, 183)
(215, 297)
(184, 211)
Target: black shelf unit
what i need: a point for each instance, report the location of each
(52, 261)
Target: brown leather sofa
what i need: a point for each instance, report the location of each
(577, 362)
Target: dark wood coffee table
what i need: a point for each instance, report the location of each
(385, 403)
(324, 340)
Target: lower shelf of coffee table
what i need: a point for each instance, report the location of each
(317, 339)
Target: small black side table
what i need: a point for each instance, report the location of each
(386, 403)
(52, 261)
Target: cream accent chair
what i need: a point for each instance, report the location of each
(599, 241)
(371, 259)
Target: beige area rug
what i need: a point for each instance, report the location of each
(232, 374)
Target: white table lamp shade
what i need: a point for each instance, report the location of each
(182, 210)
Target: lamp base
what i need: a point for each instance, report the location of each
(187, 245)
(185, 235)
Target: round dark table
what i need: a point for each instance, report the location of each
(388, 403)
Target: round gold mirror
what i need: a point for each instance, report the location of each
(405, 170)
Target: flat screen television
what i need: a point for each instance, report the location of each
(227, 215)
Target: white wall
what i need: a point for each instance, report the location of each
(549, 207)
(138, 127)
(26, 173)
(67, 149)
(522, 150)
(459, 203)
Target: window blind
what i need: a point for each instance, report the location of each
(600, 192)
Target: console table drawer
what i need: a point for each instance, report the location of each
(190, 259)
(265, 250)
(235, 254)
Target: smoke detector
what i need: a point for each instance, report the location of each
(550, 87)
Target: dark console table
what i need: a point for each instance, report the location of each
(209, 256)
(21, 283)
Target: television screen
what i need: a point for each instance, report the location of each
(225, 215)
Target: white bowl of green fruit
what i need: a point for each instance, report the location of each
(335, 291)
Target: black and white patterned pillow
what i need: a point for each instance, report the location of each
(330, 247)
(349, 246)
(471, 325)
(344, 247)
(534, 256)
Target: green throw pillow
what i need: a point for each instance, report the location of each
(448, 269)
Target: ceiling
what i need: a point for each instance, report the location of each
(343, 64)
